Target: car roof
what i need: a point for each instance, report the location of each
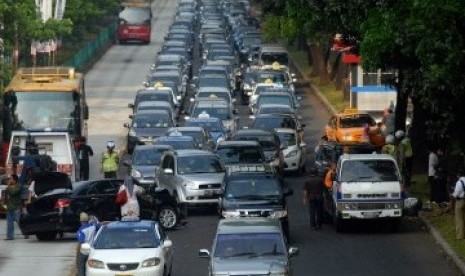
(285, 130)
(175, 138)
(186, 128)
(253, 131)
(152, 147)
(374, 156)
(155, 112)
(130, 224)
(207, 102)
(238, 144)
(154, 103)
(248, 225)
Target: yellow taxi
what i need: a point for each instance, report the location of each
(353, 126)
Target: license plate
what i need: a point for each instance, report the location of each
(211, 192)
(370, 214)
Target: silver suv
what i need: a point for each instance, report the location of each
(191, 176)
(249, 246)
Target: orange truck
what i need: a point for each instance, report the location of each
(135, 21)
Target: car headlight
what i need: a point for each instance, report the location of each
(278, 214)
(230, 214)
(151, 262)
(95, 263)
(132, 133)
(135, 173)
(291, 154)
(189, 185)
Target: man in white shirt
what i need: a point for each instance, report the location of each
(433, 161)
(459, 196)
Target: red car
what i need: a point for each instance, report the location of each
(135, 22)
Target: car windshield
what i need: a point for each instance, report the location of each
(176, 144)
(253, 188)
(369, 171)
(287, 139)
(152, 97)
(134, 15)
(146, 157)
(275, 77)
(275, 99)
(357, 121)
(152, 121)
(274, 122)
(210, 126)
(125, 237)
(275, 110)
(237, 155)
(222, 113)
(269, 58)
(199, 164)
(215, 95)
(213, 82)
(249, 245)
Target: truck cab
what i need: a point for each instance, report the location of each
(365, 187)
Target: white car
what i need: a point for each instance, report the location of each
(136, 248)
(294, 149)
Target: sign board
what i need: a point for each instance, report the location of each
(372, 98)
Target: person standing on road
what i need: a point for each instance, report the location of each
(85, 234)
(110, 161)
(458, 197)
(84, 151)
(329, 176)
(313, 197)
(131, 207)
(389, 122)
(13, 205)
(406, 144)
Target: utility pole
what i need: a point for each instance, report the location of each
(2, 50)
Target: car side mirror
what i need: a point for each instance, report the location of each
(131, 116)
(204, 253)
(131, 105)
(167, 243)
(293, 251)
(85, 249)
(168, 171)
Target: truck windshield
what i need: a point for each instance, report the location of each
(39, 110)
(369, 171)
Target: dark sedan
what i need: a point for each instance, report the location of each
(59, 203)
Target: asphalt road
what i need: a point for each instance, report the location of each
(364, 250)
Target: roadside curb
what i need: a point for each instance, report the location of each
(443, 244)
(459, 263)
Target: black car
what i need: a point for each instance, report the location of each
(270, 143)
(327, 152)
(59, 203)
(240, 152)
(255, 194)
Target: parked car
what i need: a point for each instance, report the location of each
(249, 246)
(59, 203)
(129, 248)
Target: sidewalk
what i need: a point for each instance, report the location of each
(460, 263)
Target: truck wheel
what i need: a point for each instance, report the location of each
(168, 217)
(46, 236)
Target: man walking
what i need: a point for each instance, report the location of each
(459, 197)
(84, 151)
(313, 196)
(110, 161)
(84, 235)
(13, 205)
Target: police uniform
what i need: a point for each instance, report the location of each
(459, 195)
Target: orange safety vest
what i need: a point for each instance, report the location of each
(328, 179)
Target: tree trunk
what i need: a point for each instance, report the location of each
(418, 132)
(319, 64)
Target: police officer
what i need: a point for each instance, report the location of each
(110, 161)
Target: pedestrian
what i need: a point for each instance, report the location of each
(400, 149)
(408, 158)
(84, 151)
(441, 178)
(313, 197)
(131, 207)
(329, 176)
(389, 147)
(13, 203)
(433, 161)
(85, 234)
(458, 196)
(110, 161)
(389, 122)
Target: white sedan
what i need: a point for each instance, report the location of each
(294, 149)
(136, 248)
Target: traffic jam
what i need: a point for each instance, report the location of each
(216, 124)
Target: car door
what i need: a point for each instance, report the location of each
(102, 195)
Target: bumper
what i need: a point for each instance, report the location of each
(371, 214)
(134, 36)
(146, 271)
(50, 222)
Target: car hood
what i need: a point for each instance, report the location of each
(146, 170)
(253, 204)
(137, 255)
(201, 178)
(154, 132)
(45, 182)
(249, 266)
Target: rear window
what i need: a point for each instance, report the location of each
(121, 238)
(357, 121)
(238, 155)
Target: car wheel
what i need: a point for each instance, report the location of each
(168, 217)
(46, 236)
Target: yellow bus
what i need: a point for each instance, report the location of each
(45, 99)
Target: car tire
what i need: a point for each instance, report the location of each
(46, 236)
(168, 217)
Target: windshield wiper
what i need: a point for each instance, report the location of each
(271, 253)
(241, 254)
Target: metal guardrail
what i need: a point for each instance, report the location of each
(92, 49)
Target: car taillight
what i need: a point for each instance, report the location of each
(62, 203)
